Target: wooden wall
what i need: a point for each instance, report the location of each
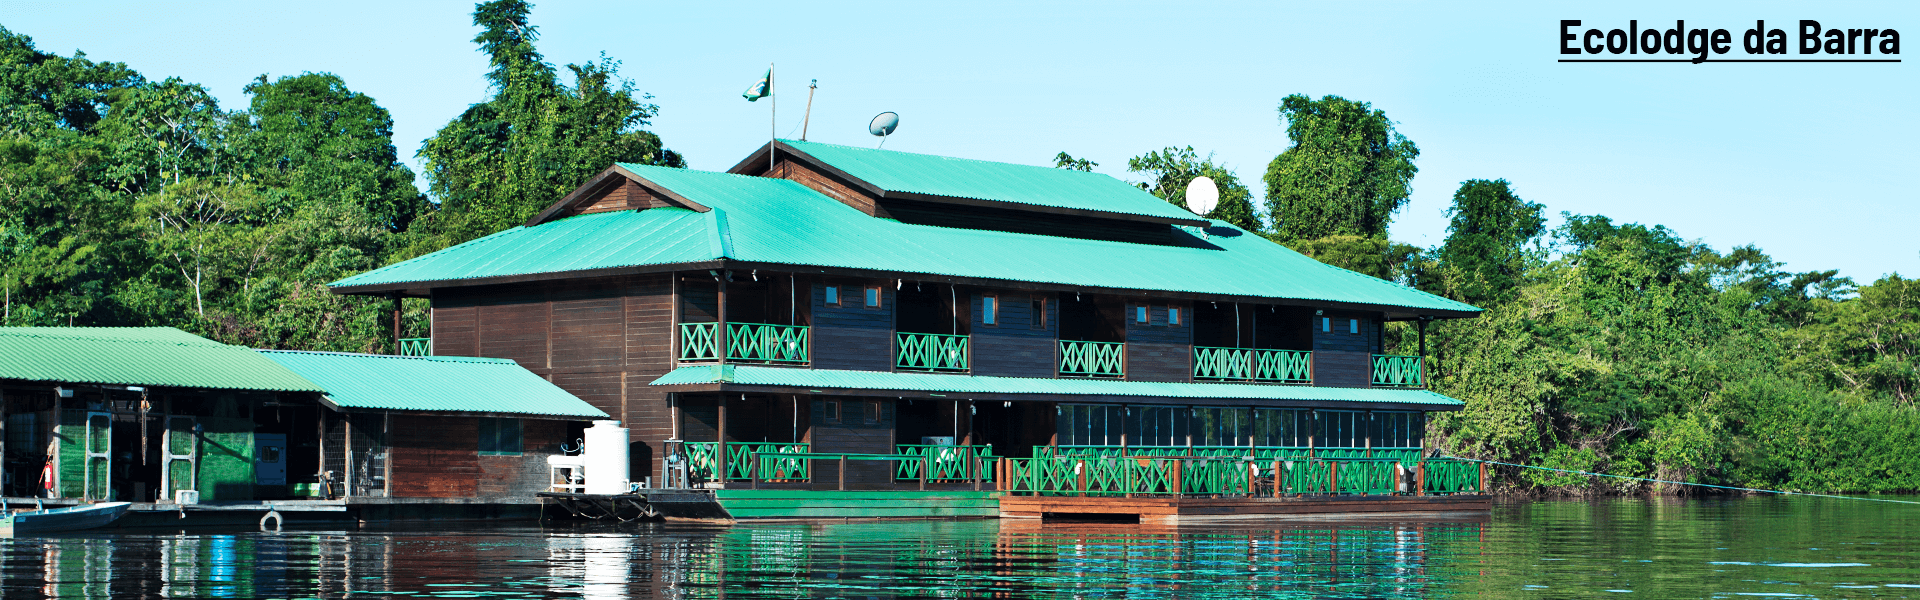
(625, 195)
(602, 339)
(826, 184)
(1013, 348)
(439, 457)
(1341, 358)
(1156, 350)
(853, 434)
(853, 336)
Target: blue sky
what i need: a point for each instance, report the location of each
(1811, 162)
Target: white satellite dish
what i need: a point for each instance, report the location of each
(1202, 196)
(883, 125)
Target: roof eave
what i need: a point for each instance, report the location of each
(718, 387)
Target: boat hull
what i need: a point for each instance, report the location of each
(63, 519)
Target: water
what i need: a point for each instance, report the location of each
(1783, 547)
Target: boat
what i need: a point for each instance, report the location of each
(54, 520)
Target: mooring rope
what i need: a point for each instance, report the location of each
(1707, 485)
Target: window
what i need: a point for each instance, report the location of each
(1326, 324)
(990, 310)
(833, 295)
(1141, 315)
(499, 437)
(1353, 326)
(1039, 312)
(873, 296)
(872, 413)
(830, 411)
(1173, 315)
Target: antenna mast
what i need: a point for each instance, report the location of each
(809, 116)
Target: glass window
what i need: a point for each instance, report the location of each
(872, 413)
(873, 296)
(499, 437)
(1173, 315)
(833, 295)
(831, 411)
(1039, 314)
(990, 310)
(1326, 324)
(1353, 326)
(1141, 315)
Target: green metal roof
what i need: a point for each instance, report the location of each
(964, 384)
(139, 356)
(782, 222)
(894, 171)
(433, 383)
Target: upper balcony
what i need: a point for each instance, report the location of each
(1397, 371)
(1252, 365)
(747, 343)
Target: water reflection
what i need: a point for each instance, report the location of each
(1660, 549)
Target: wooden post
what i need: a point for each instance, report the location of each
(1333, 477)
(926, 466)
(396, 325)
(1276, 478)
(720, 321)
(843, 472)
(1420, 478)
(1483, 478)
(973, 463)
(753, 468)
(720, 443)
(1313, 429)
(1080, 476)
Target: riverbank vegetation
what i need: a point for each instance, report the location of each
(1609, 347)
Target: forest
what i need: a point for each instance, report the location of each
(1611, 347)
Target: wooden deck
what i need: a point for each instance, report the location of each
(1176, 511)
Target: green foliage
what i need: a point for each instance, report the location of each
(1345, 173)
(1067, 161)
(536, 139)
(1374, 256)
(1171, 169)
(1486, 250)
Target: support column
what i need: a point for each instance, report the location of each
(396, 324)
(720, 318)
(720, 440)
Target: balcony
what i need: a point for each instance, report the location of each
(1399, 371)
(746, 342)
(930, 352)
(1093, 359)
(1251, 364)
(416, 346)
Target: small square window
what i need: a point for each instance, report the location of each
(1039, 320)
(1141, 315)
(831, 411)
(872, 415)
(1326, 324)
(990, 310)
(1173, 315)
(873, 296)
(833, 295)
(1353, 326)
(499, 437)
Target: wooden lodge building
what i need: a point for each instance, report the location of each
(825, 318)
(144, 414)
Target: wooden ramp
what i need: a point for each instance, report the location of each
(1167, 510)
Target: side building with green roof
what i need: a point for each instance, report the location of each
(140, 414)
(823, 300)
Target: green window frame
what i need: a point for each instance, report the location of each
(500, 437)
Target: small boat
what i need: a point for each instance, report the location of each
(54, 520)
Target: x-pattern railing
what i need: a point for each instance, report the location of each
(1093, 359)
(931, 352)
(1252, 364)
(1398, 371)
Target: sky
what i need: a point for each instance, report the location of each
(1808, 161)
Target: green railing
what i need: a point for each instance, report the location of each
(775, 462)
(1251, 364)
(930, 352)
(699, 341)
(945, 463)
(1452, 477)
(1093, 359)
(761, 342)
(1146, 475)
(416, 346)
(1406, 456)
(1398, 371)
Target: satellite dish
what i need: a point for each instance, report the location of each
(883, 125)
(1202, 196)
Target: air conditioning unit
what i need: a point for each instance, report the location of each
(937, 441)
(186, 496)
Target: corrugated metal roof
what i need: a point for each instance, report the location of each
(963, 384)
(782, 222)
(140, 356)
(433, 383)
(984, 180)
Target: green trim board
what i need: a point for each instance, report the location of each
(139, 356)
(860, 504)
(765, 221)
(433, 383)
(931, 382)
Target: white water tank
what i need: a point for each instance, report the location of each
(606, 458)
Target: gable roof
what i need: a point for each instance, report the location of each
(432, 383)
(780, 222)
(890, 173)
(139, 356)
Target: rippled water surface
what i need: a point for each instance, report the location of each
(1650, 548)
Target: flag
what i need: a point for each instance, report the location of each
(760, 89)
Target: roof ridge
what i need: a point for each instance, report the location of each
(1075, 173)
(432, 358)
(16, 332)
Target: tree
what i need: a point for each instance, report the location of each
(536, 139)
(1345, 173)
(312, 139)
(1172, 169)
(1485, 253)
(1068, 162)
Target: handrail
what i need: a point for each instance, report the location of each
(947, 462)
(780, 461)
(931, 352)
(1214, 476)
(764, 342)
(699, 341)
(1093, 359)
(1390, 370)
(416, 346)
(1252, 364)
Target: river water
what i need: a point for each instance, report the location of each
(1783, 547)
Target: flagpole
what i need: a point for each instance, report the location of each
(773, 116)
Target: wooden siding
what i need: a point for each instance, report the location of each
(1340, 358)
(625, 195)
(1157, 351)
(853, 336)
(851, 434)
(1013, 348)
(523, 475)
(601, 339)
(829, 185)
(435, 457)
